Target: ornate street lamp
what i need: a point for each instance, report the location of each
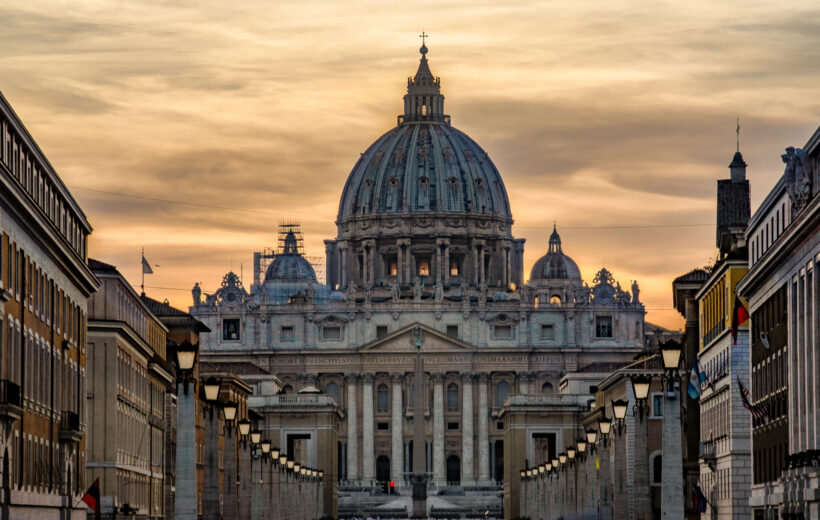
(283, 461)
(266, 446)
(562, 458)
(571, 453)
(186, 358)
(640, 384)
(256, 437)
(229, 409)
(523, 474)
(619, 408)
(211, 386)
(604, 424)
(274, 453)
(244, 427)
(671, 352)
(290, 465)
(321, 474)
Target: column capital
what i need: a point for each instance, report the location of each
(351, 378)
(483, 377)
(397, 378)
(437, 377)
(468, 377)
(526, 376)
(367, 377)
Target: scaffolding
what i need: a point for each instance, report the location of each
(263, 258)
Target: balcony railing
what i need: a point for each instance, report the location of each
(10, 403)
(295, 400)
(707, 453)
(70, 426)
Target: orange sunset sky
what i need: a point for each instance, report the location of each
(614, 119)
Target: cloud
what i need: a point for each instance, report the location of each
(596, 114)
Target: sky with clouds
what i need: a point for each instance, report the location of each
(602, 116)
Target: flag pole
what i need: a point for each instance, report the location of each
(142, 269)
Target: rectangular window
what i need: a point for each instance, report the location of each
(548, 332)
(383, 426)
(502, 332)
(603, 327)
(452, 331)
(452, 426)
(381, 331)
(230, 329)
(331, 333)
(287, 334)
(657, 405)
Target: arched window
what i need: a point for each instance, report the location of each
(547, 388)
(381, 398)
(452, 397)
(424, 268)
(333, 389)
(287, 389)
(555, 299)
(657, 469)
(535, 302)
(502, 391)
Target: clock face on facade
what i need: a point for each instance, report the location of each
(604, 293)
(231, 296)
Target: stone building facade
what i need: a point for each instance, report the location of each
(782, 288)
(44, 289)
(424, 247)
(128, 381)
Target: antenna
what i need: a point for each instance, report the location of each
(738, 134)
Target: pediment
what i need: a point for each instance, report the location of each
(404, 341)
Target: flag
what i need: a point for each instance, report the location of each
(739, 317)
(758, 412)
(92, 497)
(146, 267)
(696, 380)
(698, 500)
(597, 463)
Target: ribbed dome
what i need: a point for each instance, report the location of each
(424, 164)
(290, 265)
(555, 265)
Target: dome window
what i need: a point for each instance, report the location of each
(555, 300)
(454, 270)
(394, 269)
(424, 267)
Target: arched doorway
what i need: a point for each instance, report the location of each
(453, 469)
(383, 468)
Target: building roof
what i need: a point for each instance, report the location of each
(101, 267)
(694, 276)
(168, 314)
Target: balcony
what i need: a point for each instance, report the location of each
(10, 405)
(70, 427)
(707, 454)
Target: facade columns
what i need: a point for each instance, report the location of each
(397, 431)
(604, 483)
(524, 383)
(230, 503)
(447, 262)
(185, 499)
(467, 451)
(352, 434)
(438, 429)
(399, 262)
(368, 447)
(483, 430)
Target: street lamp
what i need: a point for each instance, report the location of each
(571, 452)
(244, 427)
(640, 384)
(671, 352)
(211, 386)
(229, 409)
(186, 357)
(283, 460)
(256, 436)
(274, 453)
(604, 424)
(562, 458)
(619, 408)
(266, 446)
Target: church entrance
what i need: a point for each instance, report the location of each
(453, 470)
(383, 469)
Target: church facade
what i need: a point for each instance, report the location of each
(424, 253)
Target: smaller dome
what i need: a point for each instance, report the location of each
(290, 266)
(555, 264)
(337, 296)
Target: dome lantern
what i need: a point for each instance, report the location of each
(423, 101)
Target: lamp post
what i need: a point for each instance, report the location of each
(672, 496)
(185, 497)
(640, 388)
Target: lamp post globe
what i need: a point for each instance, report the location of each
(230, 411)
(211, 386)
(619, 409)
(244, 427)
(256, 436)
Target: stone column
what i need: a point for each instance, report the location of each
(352, 434)
(230, 504)
(482, 275)
(244, 480)
(605, 483)
(399, 262)
(672, 474)
(342, 267)
(483, 430)
(210, 495)
(368, 448)
(447, 262)
(524, 383)
(439, 474)
(256, 488)
(185, 496)
(397, 432)
(467, 451)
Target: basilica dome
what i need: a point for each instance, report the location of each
(290, 266)
(424, 165)
(555, 265)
